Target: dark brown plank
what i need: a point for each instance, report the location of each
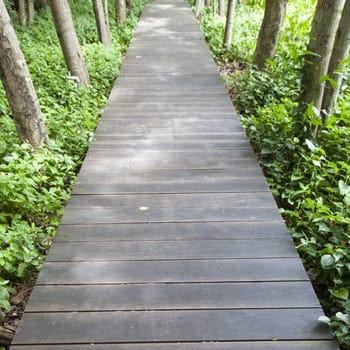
(159, 326)
(191, 200)
(173, 297)
(138, 215)
(239, 270)
(165, 250)
(172, 231)
(139, 163)
(267, 345)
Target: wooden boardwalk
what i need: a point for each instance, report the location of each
(171, 240)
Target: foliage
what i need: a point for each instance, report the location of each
(310, 178)
(34, 186)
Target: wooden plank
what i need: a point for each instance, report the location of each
(187, 201)
(267, 345)
(137, 215)
(172, 231)
(233, 270)
(159, 326)
(173, 297)
(169, 186)
(174, 146)
(102, 156)
(193, 164)
(136, 176)
(175, 250)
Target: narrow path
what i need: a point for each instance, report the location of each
(172, 240)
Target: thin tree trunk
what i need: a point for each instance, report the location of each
(42, 4)
(199, 5)
(68, 39)
(22, 12)
(18, 85)
(106, 13)
(269, 33)
(129, 5)
(340, 52)
(324, 26)
(229, 22)
(207, 3)
(222, 8)
(101, 23)
(31, 11)
(120, 11)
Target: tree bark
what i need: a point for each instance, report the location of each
(18, 85)
(324, 26)
(22, 12)
(42, 4)
(199, 5)
(207, 3)
(129, 5)
(30, 11)
(101, 23)
(229, 22)
(222, 8)
(68, 39)
(120, 11)
(269, 33)
(340, 52)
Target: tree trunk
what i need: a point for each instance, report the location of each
(340, 52)
(324, 26)
(199, 5)
(120, 11)
(229, 22)
(30, 11)
(68, 39)
(42, 4)
(22, 12)
(270, 29)
(129, 5)
(101, 23)
(106, 15)
(207, 3)
(18, 85)
(222, 8)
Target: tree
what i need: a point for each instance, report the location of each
(324, 26)
(68, 39)
(22, 12)
(199, 5)
(129, 4)
(222, 8)
(229, 22)
(207, 3)
(120, 11)
(270, 29)
(42, 4)
(339, 53)
(18, 85)
(30, 11)
(101, 23)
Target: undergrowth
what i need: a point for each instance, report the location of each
(34, 186)
(310, 179)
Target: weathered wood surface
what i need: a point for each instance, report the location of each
(172, 239)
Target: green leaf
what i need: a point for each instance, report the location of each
(343, 188)
(327, 261)
(341, 293)
(324, 319)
